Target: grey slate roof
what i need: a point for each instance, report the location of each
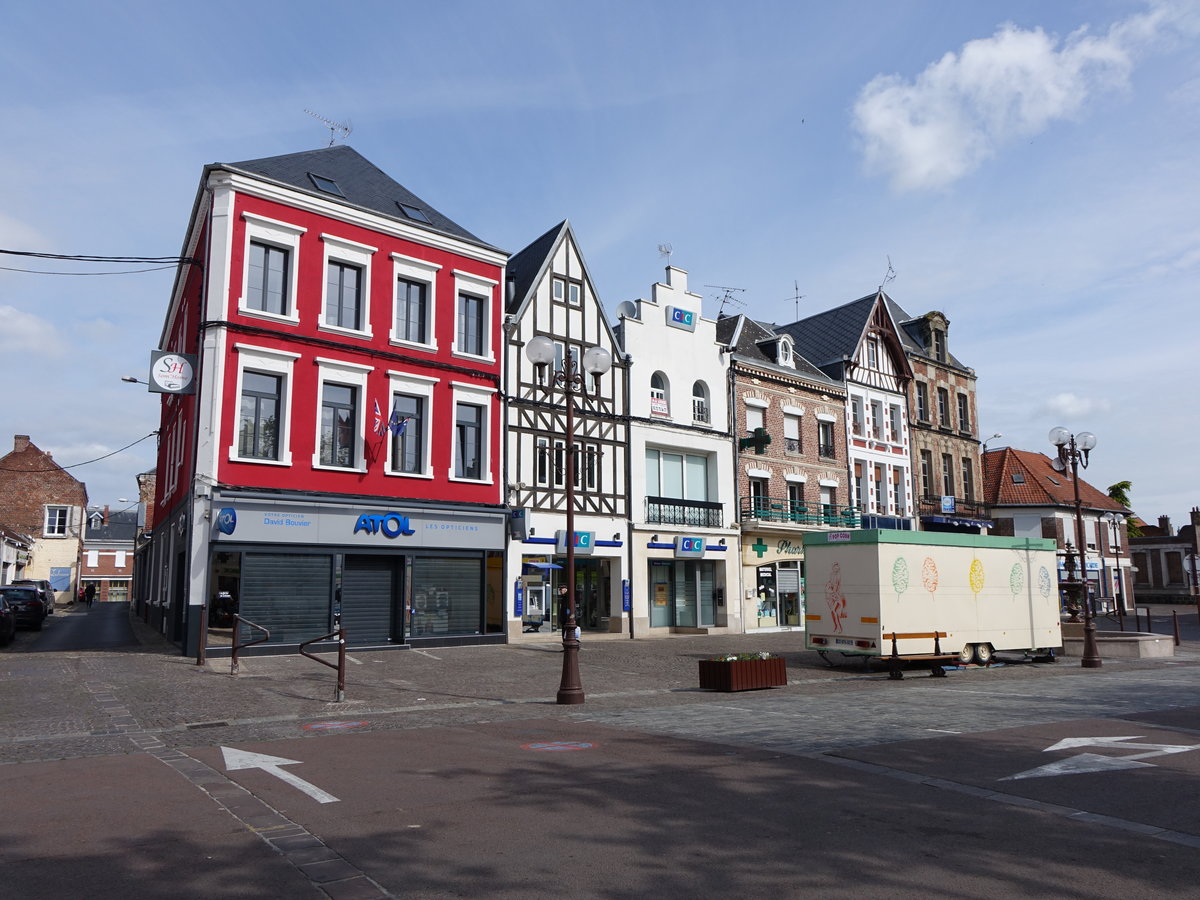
(362, 183)
(826, 338)
(524, 265)
(749, 335)
(121, 526)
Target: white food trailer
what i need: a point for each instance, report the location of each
(920, 594)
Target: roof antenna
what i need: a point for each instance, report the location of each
(727, 297)
(889, 275)
(796, 298)
(336, 129)
(665, 249)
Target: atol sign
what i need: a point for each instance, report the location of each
(584, 541)
(681, 318)
(227, 520)
(390, 525)
(688, 547)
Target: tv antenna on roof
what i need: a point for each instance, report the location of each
(797, 297)
(727, 296)
(336, 129)
(665, 249)
(889, 275)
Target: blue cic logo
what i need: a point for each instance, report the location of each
(226, 520)
(681, 318)
(389, 525)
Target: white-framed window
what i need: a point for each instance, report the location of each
(856, 415)
(877, 420)
(791, 433)
(472, 433)
(567, 291)
(964, 413)
(943, 407)
(56, 521)
(410, 397)
(756, 414)
(542, 461)
(785, 351)
(264, 386)
(120, 560)
(473, 315)
(872, 353)
(93, 559)
(894, 423)
(341, 421)
(345, 302)
(559, 290)
(414, 312)
(922, 402)
(660, 395)
(701, 410)
(677, 475)
(272, 251)
(560, 463)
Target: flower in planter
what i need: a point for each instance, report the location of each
(736, 657)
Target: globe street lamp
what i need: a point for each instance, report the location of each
(596, 362)
(1073, 450)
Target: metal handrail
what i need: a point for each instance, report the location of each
(233, 666)
(340, 634)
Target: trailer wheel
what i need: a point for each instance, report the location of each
(983, 654)
(966, 654)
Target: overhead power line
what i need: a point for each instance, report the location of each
(85, 462)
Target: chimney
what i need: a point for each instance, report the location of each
(105, 513)
(1164, 523)
(20, 443)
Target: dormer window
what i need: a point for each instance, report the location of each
(939, 345)
(785, 351)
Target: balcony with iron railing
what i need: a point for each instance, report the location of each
(826, 451)
(931, 505)
(788, 512)
(672, 511)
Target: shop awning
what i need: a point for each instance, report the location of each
(541, 565)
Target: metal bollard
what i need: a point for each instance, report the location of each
(1175, 622)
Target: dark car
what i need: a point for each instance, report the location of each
(27, 605)
(44, 590)
(8, 623)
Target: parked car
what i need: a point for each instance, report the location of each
(44, 589)
(27, 605)
(8, 624)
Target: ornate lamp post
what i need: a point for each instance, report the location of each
(596, 362)
(1073, 450)
(1114, 521)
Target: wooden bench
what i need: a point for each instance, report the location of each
(936, 657)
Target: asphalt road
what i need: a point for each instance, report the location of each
(451, 773)
(103, 626)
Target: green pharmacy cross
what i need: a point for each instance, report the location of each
(759, 441)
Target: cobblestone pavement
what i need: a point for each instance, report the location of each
(73, 704)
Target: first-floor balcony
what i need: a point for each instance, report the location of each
(930, 505)
(789, 512)
(672, 511)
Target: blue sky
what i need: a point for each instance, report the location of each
(1028, 168)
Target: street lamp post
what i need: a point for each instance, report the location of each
(1114, 521)
(596, 361)
(1073, 450)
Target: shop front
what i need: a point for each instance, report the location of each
(387, 575)
(686, 582)
(773, 573)
(542, 585)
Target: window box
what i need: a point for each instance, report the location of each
(742, 674)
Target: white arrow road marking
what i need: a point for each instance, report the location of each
(245, 759)
(1094, 762)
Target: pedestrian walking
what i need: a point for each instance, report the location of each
(89, 594)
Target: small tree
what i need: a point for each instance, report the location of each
(1120, 493)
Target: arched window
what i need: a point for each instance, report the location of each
(660, 395)
(700, 408)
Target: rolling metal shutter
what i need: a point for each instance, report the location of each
(367, 592)
(289, 593)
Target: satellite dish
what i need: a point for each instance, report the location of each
(627, 309)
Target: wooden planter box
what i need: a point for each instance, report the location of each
(742, 674)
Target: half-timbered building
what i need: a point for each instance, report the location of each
(683, 499)
(551, 294)
(858, 343)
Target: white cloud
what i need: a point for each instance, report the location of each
(20, 330)
(1072, 406)
(963, 108)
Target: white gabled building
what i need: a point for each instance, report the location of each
(683, 499)
(551, 294)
